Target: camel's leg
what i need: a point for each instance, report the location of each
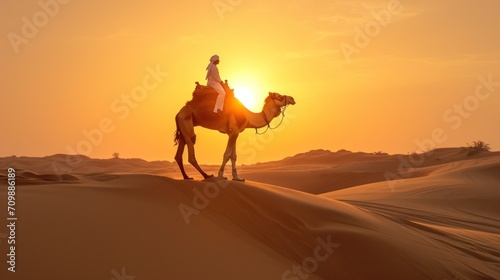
(187, 130)
(233, 163)
(227, 154)
(193, 161)
(178, 157)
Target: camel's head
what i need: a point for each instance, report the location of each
(281, 100)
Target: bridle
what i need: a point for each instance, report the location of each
(282, 108)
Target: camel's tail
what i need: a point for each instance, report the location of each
(177, 133)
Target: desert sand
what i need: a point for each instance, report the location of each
(316, 215)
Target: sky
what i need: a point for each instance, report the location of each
(98, 77)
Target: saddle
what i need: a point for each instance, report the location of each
(205, 96)
(201, 91)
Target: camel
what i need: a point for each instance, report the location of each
(234, 120)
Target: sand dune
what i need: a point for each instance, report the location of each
(441, 222)
(323, 171)
(465, 193)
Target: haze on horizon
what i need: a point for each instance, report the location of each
(366, 75)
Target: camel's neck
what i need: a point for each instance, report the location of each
(262, 119)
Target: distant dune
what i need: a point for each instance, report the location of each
(316, 215)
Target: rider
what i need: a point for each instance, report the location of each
(214, 81)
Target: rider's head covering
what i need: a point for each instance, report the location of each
(213, 59)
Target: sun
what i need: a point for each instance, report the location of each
(247, 96)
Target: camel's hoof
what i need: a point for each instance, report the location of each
(188, 178)
(209, 176)
(238, 179)
(222, 177)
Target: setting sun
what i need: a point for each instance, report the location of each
(247, 96)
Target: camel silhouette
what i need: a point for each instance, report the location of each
(234, 120)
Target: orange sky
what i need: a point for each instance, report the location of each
(366, 75)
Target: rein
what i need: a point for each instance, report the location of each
(283, 108)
